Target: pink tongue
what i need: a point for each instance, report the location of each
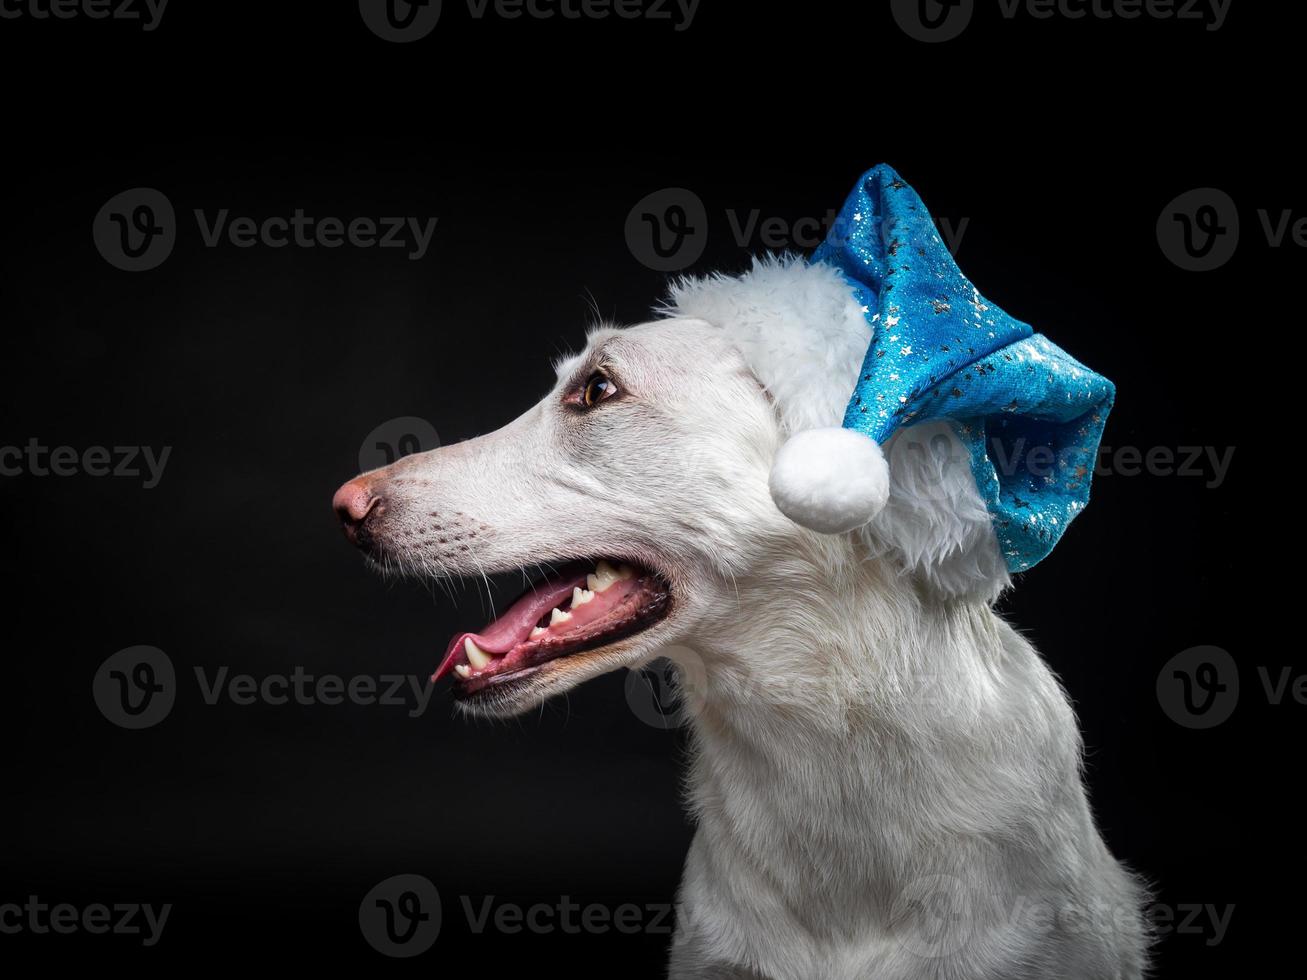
(515, 624)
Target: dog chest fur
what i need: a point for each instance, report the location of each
(898, 796)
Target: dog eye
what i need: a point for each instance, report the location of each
(597, 389)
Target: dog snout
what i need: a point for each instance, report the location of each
(354, 503)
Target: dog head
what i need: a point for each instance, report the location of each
(637, 489)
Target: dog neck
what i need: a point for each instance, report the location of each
(842, 732)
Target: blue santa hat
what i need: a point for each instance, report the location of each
(1029, 414)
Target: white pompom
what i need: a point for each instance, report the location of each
(830, 480)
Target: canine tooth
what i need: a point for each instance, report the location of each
(604, 576)
(477, 657)
(581, 596)
(463, 671)
(538, 631)
(558, 616)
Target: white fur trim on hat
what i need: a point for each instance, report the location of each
(830, 480)
(799, 327)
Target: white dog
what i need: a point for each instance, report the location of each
(886, 777)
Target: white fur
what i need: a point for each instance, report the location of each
(831, 479)
(870, 738)
(935, 525)
(798, 327)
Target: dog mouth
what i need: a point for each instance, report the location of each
(581, 610)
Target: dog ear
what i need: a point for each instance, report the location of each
(935, 525)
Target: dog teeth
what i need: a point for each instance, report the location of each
(604, 575)
(463, 671)
(477, 657)
(538, 631)
(558, 616)
(581, 596)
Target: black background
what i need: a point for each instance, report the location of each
(1060, 141)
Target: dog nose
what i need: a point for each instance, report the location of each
(353, 503)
